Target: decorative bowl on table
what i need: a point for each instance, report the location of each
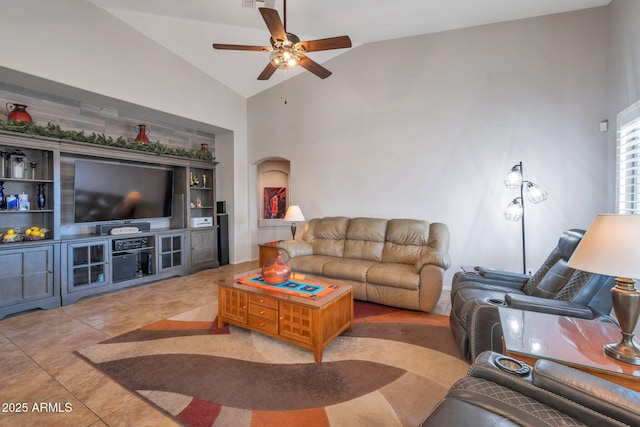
(11, 236)
(276, 271)
(35, 233)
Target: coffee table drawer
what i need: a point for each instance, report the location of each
(263, 301)
(263, 312)
(263, 325)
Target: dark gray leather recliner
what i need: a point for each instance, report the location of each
(555, 288)
(548, 394)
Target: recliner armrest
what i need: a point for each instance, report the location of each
(610, 399)
(550, 306)
(295, 248)
(582, 396)
(438, 258)
(507, 276)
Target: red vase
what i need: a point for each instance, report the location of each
(142, 134)
(276, 271)
(18, 113)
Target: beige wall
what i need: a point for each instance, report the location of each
(427, 127)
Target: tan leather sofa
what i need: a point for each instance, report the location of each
(395, 262)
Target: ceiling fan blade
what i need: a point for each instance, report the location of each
(267, 72)
(274, 24)
(241, 47)
(340, 42)
(314, 67)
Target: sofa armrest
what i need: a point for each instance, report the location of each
(610, 399)
(295, 248)
(550, 306)
(438, 258)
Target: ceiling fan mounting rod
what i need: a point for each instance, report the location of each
(284, 12)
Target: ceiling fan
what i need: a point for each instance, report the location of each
(287, 51)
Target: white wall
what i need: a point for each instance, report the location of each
(428, 126)
(63, 41)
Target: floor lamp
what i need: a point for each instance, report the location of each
(515, 209)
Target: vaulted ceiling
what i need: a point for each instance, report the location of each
(189, 27)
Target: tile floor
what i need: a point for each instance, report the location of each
(39, 371)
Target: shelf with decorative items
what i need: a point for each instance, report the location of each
(27, 193)
(201, 214)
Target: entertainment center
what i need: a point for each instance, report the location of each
(112, 218)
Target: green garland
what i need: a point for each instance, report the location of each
(54, 131)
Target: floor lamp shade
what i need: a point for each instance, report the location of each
(293, 214)
(610, 247)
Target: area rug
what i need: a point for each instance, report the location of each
(390, 371)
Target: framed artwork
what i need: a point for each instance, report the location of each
(275, 202)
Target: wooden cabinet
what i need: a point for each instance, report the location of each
(96, 265)
(203, 249)
(311, 324)
(28, 278)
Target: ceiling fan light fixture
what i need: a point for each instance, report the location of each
(285, 57)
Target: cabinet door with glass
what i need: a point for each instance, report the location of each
(171, 252)
(87, 265)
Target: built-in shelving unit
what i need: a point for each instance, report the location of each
(71, 261)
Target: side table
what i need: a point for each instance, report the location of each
(268, 250)
(529, 336)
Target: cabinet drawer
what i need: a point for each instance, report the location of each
(263, 312)
(263, 325)
(263, 301)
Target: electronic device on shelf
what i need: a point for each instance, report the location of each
(129, 244)
(205, 221)
(126, 228)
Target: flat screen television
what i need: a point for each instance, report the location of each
(105, 191)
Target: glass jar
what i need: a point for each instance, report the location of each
(18, 164)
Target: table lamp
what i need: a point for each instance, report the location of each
(611, 247)
(293, 214)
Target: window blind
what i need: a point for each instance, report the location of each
(628, 161)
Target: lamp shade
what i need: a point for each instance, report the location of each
(610, 247)
(535, 193)
(514, 210)
(514, 177)
(294, 214)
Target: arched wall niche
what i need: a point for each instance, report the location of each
(273, 175)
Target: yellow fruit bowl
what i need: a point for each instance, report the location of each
(35, 233)
(10, 237)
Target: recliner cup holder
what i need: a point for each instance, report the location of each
(512, 366)
(495, 301)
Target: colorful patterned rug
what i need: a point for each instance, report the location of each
(390, 371)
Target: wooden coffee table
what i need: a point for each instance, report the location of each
(528, 336)
(301, 321)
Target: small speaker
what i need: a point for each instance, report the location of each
(221, 207)
(124, 267)
(146, 263)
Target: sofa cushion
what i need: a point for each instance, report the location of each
(312, 264)
(349, 269)
(327, 235)
(365, 239)
(406, 241)
(394, 275)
